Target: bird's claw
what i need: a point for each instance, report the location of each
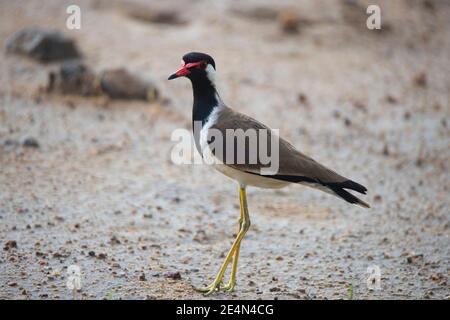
(215, 286)
(228, 287)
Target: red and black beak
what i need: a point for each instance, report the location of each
(184, 70)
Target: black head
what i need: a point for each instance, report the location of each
(196, 65)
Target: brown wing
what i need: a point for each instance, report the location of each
(294, 166)
(291, 161)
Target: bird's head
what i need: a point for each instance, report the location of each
(196, 66)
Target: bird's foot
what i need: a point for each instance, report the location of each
(209, 289)
(229, 286)
(216, 286)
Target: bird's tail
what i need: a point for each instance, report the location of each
(334, 188)
(338, 188)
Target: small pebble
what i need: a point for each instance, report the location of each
(173, 275)
(10, 244)
(31, 143)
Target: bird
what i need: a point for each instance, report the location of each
(211, 115)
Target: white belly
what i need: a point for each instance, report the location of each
(248, 179)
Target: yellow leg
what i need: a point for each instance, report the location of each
(243, 206)
(233, 254)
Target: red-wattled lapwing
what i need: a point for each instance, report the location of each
(293, 166)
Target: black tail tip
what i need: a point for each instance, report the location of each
(352, 185)
(338, 189)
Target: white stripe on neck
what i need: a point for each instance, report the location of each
(212, 120)
(211, 74)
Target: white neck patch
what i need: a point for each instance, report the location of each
(211, 74)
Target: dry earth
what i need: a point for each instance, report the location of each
(101, 191)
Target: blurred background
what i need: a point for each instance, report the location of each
(86, 117)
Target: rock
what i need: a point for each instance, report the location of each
(438, 277)
(11, 142)
(257, 13)
(114, 240)
(289, 21)
(347, 122)
(420, 79)
(414, 258)
(142, 277)
(173, 275)
(420, 160)
(360, 106)
(121, 84)
(386, 150)
(61, 254)
(391, 99)
(429, 5)
(386, 255)
(73, 77)
(166, 16)
(336, 114)
(302, 98)
(10, 244)
(353, 13)
(30, 143)
(102, 256)
(42, 44)
(200, 236)
(407, 115)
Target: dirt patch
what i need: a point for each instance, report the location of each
(96, 187)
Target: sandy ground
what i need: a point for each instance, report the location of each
(101, 191)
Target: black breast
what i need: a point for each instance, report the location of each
(205, 100)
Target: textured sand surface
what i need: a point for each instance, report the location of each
(101, 191)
